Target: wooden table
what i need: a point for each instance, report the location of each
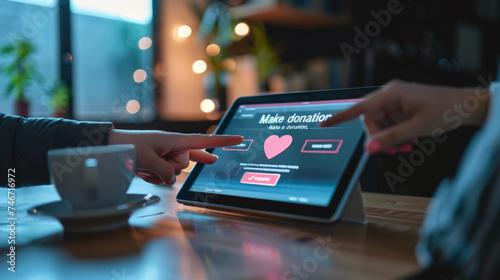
(170, 241)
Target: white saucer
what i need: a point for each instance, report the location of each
(93, 220)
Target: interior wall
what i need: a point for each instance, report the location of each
(182, 89)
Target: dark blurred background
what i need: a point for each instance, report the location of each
(177, 64)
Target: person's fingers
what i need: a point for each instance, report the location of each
(394, 136)
(373, 102)
(179, 161)
(351, 113)
(167, 168)
(151, 180)
(391, 151)
(371, 126)
(202, 156)
(149, 177)
(146, 173)
(201, 141)
(406, 148)
(172, 180)
(161, 167)
(178, 171)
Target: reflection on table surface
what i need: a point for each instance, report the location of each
(170, 241)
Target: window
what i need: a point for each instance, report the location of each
(112, 55)
(37, 21)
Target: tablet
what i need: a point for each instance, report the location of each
(286, 165)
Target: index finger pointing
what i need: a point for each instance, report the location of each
(351, 113)
(371, 103)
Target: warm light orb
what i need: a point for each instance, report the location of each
(140, 76)
(199, 66)
(207, 105)
(133, 106)
(229, 64)
(213, 50)
(184, 31)
(145, 43)
(242, 29)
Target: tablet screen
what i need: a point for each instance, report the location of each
(285, 156)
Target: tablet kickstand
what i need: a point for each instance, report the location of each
(355, 208)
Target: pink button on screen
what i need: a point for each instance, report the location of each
(265, 179)
(325, 146)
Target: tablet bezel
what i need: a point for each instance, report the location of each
(217, 201)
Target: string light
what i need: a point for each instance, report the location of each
(242, 29)
(184, 31)
(207, 105)
(213, 50)
(199, 66)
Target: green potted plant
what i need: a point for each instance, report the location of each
(60, 100)
(20, 71)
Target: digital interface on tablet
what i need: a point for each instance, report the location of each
(285, 156)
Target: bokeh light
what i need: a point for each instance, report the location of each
(140, 76)
(229, 64)
(199, 66)
(207, 105)
(133, 106)
(184, 31)
(213, 50)
(242, 29)
(145, 43)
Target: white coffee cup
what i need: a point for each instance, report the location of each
(92, 177)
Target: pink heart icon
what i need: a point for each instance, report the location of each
(275, 145)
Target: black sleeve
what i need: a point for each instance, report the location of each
(24, 143)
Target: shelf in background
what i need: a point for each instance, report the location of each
(276, 13)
